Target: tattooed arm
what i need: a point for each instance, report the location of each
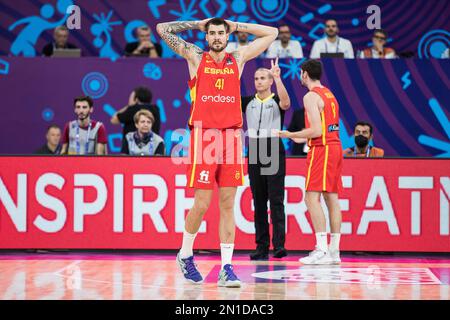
(265, 36)
(192, 53)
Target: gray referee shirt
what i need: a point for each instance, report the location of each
(262, 116)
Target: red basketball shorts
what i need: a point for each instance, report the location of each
(215, 155)
(324, 165)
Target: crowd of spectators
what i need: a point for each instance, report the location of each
(332, 45)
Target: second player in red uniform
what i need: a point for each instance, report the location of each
(324, 162)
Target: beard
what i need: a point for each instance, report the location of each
(285, 39)
(217, 49)
(302, 82)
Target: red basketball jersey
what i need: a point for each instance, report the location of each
(329, 118)
(216, 94)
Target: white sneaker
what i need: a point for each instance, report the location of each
(335, 256)
(317, 257)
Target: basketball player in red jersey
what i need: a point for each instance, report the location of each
(216, 110)
(324, 162)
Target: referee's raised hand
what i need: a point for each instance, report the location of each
(275, 69)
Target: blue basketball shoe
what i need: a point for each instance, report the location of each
(189, 269)
(227, 277)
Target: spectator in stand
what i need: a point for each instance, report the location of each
(53, 137)
(84, 136)
(60, 37)
(332, 43)
(378, 50)
(140, 98)
(284, 47)
(144, 142)
(242, 38)
(363, 137)
(144, 47)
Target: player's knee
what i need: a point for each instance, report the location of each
(329, 199)
(226, 203)
(310, 199)
(307, 201)
(200, 207)
(226, 207)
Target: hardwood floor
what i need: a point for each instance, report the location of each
(155, 275)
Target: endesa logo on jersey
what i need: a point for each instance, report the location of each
(219, 98)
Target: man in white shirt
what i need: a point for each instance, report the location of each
(284, 47)
(242, 38)
(332, 43)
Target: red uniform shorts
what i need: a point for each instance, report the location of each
(215, 155)
(324, 165)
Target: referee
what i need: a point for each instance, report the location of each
(267, 160)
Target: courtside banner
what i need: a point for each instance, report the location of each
(141, 203)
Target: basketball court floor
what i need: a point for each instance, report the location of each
(156, 276)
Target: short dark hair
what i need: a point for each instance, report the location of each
(143, 94)
(364, 123)
(380, 31)
(143, 28)
(217, 22)
(53, 126)
(331, 19)
(61, 28)
(313, 67)
(84, 98)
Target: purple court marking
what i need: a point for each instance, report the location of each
(244, 273)
(213, 256)
(337, 274)
(443, 274)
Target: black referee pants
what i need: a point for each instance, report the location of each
(268, 187)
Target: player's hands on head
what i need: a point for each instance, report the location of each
(202, 24)
(233, 25)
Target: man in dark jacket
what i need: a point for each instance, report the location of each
(140, 98)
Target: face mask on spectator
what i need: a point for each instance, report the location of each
(361, 141)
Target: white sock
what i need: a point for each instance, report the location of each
(334, 241)
(321, 241)
(226, 252)
(188, 243)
